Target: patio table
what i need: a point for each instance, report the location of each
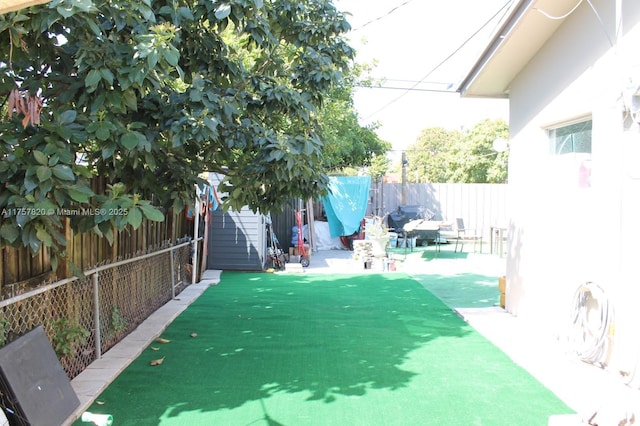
(426, 225)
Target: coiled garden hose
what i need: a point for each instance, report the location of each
(591, 325)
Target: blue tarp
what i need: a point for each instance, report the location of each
(346, 203)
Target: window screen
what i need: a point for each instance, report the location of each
(574, 138)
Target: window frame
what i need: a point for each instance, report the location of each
(572, 164)
(553, 139)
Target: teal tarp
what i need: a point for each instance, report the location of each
(346, 203)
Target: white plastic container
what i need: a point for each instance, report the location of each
(393, 240)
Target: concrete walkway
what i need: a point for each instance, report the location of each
(586, 389)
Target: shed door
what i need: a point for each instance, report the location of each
(237, 241)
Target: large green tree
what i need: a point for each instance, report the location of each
(476, 160)
(347, 144)
(441, 155)
(149, 94)
(430, 158)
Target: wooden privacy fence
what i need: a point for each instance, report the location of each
(20, 271)
(103, 291)
(85, 316)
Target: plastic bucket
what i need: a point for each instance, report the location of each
(412, 242)
(393, 240)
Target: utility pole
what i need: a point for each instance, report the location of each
(382, 195)
(404, 178)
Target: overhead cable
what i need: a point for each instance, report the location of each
(602, 26)
(383, 16)
(413, 87)
(558, 18)
(566, 15)
(408, 89)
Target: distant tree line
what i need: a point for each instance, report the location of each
(459, 156)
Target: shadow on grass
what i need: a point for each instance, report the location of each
(260, 334)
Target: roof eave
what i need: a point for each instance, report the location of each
(522, 34)
(7, 6)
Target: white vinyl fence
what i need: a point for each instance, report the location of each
(480, 205)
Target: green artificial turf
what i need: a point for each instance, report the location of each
(279, 349)
(465, 290)
(430, 253)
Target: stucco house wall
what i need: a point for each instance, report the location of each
(551, 233)
(562, 234)
(574, 216)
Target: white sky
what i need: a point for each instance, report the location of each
(407, 44)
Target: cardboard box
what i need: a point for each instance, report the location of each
(293, 251)
(502, 284)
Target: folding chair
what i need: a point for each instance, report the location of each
(463, 235)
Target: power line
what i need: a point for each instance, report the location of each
(441, 83)
(408, 89)
(602, 26)
(475, 33)
(382, 16)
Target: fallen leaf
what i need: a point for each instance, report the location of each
(157, 361)
(194, 334)
(153, 348)
(161, 340)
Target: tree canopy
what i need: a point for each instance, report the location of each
(347, 144)
(150, 94)
(441, 155)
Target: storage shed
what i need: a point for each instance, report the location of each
(237, 240)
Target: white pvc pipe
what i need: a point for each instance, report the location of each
(196, 226)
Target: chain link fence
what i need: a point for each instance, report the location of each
(86, 316)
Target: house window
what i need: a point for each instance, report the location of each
(573, 138)
(570, 145)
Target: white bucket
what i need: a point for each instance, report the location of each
(393, 240)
